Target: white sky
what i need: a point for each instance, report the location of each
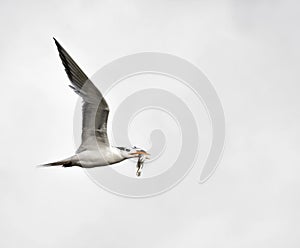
(250, 52)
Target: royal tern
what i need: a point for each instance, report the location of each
(95, 149)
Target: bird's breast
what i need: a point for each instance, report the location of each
(91, 159)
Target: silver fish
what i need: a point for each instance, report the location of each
(140, 164)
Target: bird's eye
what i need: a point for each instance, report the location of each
(127, 150)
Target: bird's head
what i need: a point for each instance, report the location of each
(133, 152)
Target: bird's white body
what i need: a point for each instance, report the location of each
(102, 157)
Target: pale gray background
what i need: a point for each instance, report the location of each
(250, 52)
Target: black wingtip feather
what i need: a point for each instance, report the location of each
(73, 71)
(57, 44)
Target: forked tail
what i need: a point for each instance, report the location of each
(65, 163)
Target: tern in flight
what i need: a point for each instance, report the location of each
(95, 149)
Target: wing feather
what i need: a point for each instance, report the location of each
(95, 109)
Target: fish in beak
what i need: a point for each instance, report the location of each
(141, 153)
(140, 164)
(142, 156)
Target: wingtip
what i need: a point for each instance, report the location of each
(56, 42)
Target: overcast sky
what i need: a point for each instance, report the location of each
(249, 50)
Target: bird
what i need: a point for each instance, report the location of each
(95, 149)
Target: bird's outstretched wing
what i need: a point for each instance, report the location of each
(94, 110)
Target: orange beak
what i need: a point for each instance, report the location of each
(138, 153)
